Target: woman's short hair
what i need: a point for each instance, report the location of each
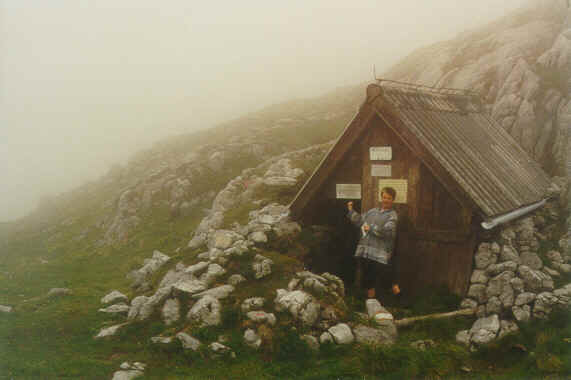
(389, 190)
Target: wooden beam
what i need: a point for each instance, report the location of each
(411, 320)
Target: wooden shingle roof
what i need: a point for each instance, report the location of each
(449, 130)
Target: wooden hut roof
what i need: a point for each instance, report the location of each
(472, 156)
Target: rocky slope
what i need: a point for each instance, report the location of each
(521, 65)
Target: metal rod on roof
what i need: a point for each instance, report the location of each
(440, 90)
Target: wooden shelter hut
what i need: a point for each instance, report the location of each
(456, 172)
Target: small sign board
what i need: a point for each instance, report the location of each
(400, 186)
(348, 191)
(380, 170)
(380, 153)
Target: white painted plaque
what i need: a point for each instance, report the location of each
(381, 170)
(348, 191)
(380, 153)
(400, 186)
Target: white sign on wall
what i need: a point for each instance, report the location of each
(380, 170)
(348, 191)
(380, 153)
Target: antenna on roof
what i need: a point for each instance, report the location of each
(374, 73)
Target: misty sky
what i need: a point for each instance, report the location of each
(84, 84)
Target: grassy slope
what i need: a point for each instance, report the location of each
(51, 338)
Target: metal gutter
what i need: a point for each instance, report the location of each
(491, 223)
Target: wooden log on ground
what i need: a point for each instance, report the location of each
(411, 320)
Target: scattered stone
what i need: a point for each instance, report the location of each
(468, 303)
(300, 304)
(188, 342)
(507, 327)
(326, 337)
(254, 303)
(509, 253)
(551, 272)
(197, 268)
(507, 266)
(484, 256)
(109, 331)
(153, 301)
(136, 305)
(373, 336)
(258, 237)
(162, 339)
(219, 292)
(252, 339)
(373, 307)
(171, 311)
(219, 349)
(477, 292)
(206, 311)
(342, 334)
(55, 292)
(189, 287)
(311, 341)
(214, 271)
(262, 266)
(5, 309)
(532, 260)
(494, 306)
(524, 298)
(485, 330)
(150, 266)
(235, 279)
(479, 277)
(262, 317)
(113, 297)
(423, 345)
(118, 308)
(463, 337)
(129, 372)
(222, 239)
(521, 313)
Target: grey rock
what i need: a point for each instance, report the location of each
(310, 314)
(544, 304)
(534, 280)
(507, 266)
(188, 287)
(118, 308)
(218, 349)
(494, 306)
(150, 266)
(314, 286)
(300, 305)
(507, 327)
(479, 277)
(259, 316)
(463, 337)
(236, 279)
(283, 229)
(311, 341)
(373, 336)
(254, 303)
(162, 339)
(477, 292)
(551, 272)
(484, 256)
(188, 342)
(222, 239)
(531, 260)
(468, 303)
(342, 334)
(219, 292)
(171, 311)
(127, 374)
(326, 337)
(109, 331)
(521, 313)
(206, 312)
(113, 297)
(554, 257)
(262, 266)
(524, 298)
(5, 309)
(55, 292)
(214, 271)
(517, 284)
(373, 307)
(252, 339)
(509, 253)
(423, 345)
(484, 330)
(136, 305)
(197, 268)
(152, 302)
(258, 237)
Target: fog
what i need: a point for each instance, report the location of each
(85, 84)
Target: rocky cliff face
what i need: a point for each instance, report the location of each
(521, 65)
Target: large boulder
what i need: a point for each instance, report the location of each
(373, 336)
(484, 330)
(114, 297)
(341, 334)
(300, 304)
